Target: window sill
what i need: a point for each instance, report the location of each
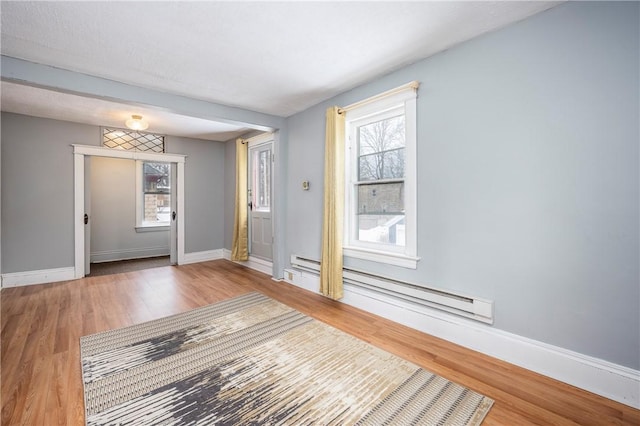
(152, 228)
(395, 259)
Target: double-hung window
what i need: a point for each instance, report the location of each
(153, 194)
(380, 166)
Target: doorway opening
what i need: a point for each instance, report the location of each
(82, 201)
(129, 204)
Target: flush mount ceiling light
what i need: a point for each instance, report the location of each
(136, 123)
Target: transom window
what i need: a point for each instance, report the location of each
(380, 200)
(132, 141)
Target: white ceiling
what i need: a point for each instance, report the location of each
(272, 57)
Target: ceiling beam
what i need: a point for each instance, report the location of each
(39, 75)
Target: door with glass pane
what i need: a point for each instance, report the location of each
(260, 200)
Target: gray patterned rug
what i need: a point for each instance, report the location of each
(252, 360)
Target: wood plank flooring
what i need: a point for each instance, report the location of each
(129, 265)
(42, 324)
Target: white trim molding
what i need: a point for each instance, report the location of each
(397, 259)
(79, 152)
(201, 256)
(99, 151)
(17, 279)
(616, 382)
(257, 264)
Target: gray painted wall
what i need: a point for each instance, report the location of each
(37, 191)
(527, 176)
(113, 214)
(204, 190)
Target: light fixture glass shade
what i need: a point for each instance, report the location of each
(136, 123)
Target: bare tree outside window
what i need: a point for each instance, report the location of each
(380, 187)
(381, 150)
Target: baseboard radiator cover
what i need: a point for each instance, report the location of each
(454, 303)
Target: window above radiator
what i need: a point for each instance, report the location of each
(380, 178)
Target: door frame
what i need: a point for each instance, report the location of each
(79, 153)
(87, 214)
(173, 231)
(254, 142)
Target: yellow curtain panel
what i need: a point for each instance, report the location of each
(240, 244)
(333, 218)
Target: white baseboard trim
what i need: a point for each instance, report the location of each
(202, 256)
(126, 254)
(616, 382)
(16, 279)
(260, 265)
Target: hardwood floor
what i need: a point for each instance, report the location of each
(42, 324)
(129, 265)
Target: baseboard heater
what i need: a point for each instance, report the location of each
(469, 307)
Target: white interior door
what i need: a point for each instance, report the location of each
(260, 199)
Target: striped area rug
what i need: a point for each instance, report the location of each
(252, 360)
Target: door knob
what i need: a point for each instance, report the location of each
(173, 215)
(86, 218)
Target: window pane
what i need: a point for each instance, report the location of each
(381, 136)
(381, 198)
(157, 207)
(264, 194)
(393, 164)
(382, 229)
(157, 177)
(370, 167)
(157, 191)
(381, 213)
(381, 165)
(261, 193)
(381, 149)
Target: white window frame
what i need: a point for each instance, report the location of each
(257, 144)
(141, 225)
(374, 109)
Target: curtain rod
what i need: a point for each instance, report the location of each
(253, 138)
(412, 85)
